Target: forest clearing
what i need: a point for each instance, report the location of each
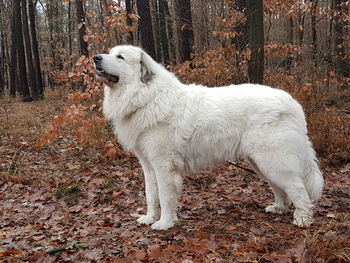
(70, 193)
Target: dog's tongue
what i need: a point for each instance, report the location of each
(112, 78)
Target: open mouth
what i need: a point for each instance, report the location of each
(109, 77)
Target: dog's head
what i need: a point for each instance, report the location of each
(123, 65)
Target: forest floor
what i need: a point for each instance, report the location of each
(62, 203)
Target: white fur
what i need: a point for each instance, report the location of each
(175, 128)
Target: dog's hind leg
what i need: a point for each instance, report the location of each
(285, 178)
(282, 202)
(152, 199)
(169, 189)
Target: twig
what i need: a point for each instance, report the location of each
(239, 166)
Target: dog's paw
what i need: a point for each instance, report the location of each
(162, 225)
(146, 219)
(275, 209)
(301, 221)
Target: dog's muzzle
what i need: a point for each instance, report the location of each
(101, 73)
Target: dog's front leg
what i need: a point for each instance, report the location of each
(152, 199)
(169, 189)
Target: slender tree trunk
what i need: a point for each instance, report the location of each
(170, 29)
(163, 15)
(2, 65)
(70, 47)
(82, 28)
(184, 30)
(52, 18)
(342, 65)
(330, 35)
(29, 53)
(301, 25)
(301, 29)
(291, 41)
(314, 32)
(155, 26)
(128, 7)
(145, 24)
(255, 20)
(20, 53)
(14, 62)
(3, 60)
(107, 13)
(35, 49)
(200, 26)
(269, 29)
(241, 40)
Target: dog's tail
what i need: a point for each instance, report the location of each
(313, 179)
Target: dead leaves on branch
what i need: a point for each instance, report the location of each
(83, 119)
(87, 129)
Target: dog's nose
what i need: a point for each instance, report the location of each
(97, 58)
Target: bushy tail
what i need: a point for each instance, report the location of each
(313, 179)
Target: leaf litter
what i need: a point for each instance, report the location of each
(62, 203)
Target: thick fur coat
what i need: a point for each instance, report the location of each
(175, 128)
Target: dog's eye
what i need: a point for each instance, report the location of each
(120, 57)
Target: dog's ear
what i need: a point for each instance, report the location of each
(146, 67)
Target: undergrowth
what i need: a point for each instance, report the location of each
(329, 244)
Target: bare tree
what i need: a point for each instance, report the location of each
(342, 65)
(14, 62)
(128, 7)
(35, 49)
(301, 26)
(2, 66)
(28, 47)
(255, 20)
(82, 28)
(163, 24)
(23, 81)
(3, 48)
(200, 26)
(184, 29)
(314, 32)
(241, 40)
(154, 8)
(145, 27)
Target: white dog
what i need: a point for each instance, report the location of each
(175, 128)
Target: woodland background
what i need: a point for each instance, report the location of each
(69, 193)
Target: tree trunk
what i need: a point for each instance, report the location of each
(314, 32)
(164, 41)
(255, 20)
(14, 62)
(56, 38)
(200, 26)
(301, 21)
(20, 53)
(128, 7)
(145, 24)
(29, 53)
(342, 67)
(184, 29)
(82, 28)
(155, 23)
(241, 40)
(3, 52)
(35, 48)
(70, 47)
(2, 65)
(291, 41)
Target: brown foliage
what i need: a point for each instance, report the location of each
(217, 67)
